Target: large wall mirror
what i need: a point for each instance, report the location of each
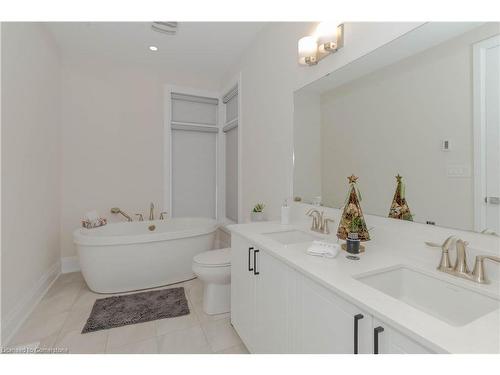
(426, 107)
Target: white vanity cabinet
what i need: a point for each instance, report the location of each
(259, 298)
(272, 298)
(325, 323)
(243, 304)
(276, 309)
(388, 340)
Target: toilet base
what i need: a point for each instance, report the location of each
(216, 298)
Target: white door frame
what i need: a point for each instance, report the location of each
(479, 129)
(167, 142)
(236, 81)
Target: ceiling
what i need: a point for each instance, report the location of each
(199, 48)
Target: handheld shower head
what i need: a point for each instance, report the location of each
(116, 210)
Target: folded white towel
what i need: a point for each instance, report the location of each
(323, 249)
(91, 217)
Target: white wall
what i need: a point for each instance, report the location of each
(307, 145)
(112, 131)
(397, 117)
(270, 75)
(31, 156)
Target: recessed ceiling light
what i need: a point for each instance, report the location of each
(153, 48)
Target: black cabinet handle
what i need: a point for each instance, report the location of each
(376, 331)
(357, 317)
(255, 272)
(249, 256)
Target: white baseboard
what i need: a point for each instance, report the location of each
(27, 303)
(70, 264)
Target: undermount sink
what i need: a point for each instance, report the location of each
(448, 302)
(291, 236)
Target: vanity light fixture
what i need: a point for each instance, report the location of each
(308, 50)
(153, 48)
(327, 39)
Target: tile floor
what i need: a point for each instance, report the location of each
(59, 318)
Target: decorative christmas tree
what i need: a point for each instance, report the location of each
(399, 207)
(352, 219)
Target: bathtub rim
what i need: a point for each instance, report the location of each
(81, 239)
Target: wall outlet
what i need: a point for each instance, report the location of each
(458, 170)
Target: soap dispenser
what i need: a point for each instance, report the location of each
(285, 213)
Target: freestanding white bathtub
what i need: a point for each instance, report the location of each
(128, 256)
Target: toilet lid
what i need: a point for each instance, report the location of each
(214, 258)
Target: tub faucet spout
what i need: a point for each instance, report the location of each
(151, 211)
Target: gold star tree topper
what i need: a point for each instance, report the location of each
(352, 179)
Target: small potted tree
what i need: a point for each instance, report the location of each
(258, 212)
(399, 207)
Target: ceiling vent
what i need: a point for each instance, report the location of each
(165, 27)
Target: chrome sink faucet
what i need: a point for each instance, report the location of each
(319, 221)
(460, 269)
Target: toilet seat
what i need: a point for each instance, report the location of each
(214, 258)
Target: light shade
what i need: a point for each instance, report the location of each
(326, 32)
(307, 49)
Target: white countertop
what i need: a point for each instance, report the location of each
(479, 336)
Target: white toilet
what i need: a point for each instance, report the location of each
(213, 268)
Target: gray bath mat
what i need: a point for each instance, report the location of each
(134, 308)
